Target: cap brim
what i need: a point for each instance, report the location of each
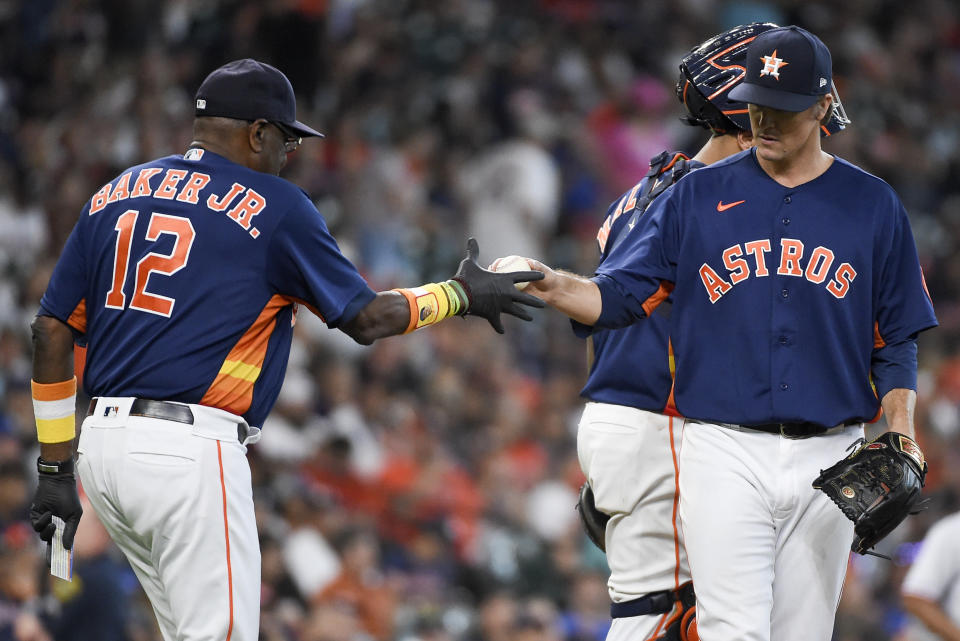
(303, 129)
(767, 97)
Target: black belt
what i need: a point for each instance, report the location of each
(165, 410)
(653, 602)
(795, 430)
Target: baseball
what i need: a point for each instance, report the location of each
(512, 264)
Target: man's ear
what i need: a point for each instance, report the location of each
(745, 139)
(825, 105)
(255, 135)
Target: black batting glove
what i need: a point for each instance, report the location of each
(56, 496)
(490, 293)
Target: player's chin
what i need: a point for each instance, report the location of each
(771, 151)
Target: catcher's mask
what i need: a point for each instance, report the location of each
(712, 68)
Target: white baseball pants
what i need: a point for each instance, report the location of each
(177, 499)
(629, 458)
(768, 552)
(635, 628)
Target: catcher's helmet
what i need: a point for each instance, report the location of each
(712, 68)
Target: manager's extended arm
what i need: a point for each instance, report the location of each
(472, 291)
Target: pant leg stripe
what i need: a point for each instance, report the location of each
(226, 536)
(676, 500)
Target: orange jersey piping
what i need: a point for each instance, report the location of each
(658, 297)
(78, 317)
(878, 341)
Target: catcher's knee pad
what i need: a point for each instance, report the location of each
(681, 621)
(688, 625)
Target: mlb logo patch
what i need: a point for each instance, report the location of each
(111, 410)
(193, 154)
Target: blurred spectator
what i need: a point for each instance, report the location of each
(538, 621)
(328, 622)
(858, 616)
(96, 605)
(14, 497)
(280, 596)
(361, 587)
(308, 557)
(498, 613)
(628, 128)
(511, 192)
(21, 587)
(294, 428)
(931, 589)
(587, 615)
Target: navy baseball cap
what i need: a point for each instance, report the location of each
(247, 90)
(787, 68)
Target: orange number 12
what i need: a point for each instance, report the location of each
(166, 264)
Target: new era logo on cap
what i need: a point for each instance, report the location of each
(201, 104)
(788, 68)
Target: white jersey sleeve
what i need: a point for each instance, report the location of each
(936, 570)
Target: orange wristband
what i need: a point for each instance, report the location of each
(432, 303)
(54, 407)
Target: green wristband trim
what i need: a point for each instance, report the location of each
(459, 302)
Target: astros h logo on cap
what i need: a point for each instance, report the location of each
(787, 68)
(772, 64)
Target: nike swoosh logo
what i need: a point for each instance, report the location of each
(722, 207)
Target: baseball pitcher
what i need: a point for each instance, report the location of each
(797, 298)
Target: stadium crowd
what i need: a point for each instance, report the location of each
(423, 488)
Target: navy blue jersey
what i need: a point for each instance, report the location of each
(780, 293)
(631, 366)
(184, 276)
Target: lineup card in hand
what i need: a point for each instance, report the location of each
(61, 559)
